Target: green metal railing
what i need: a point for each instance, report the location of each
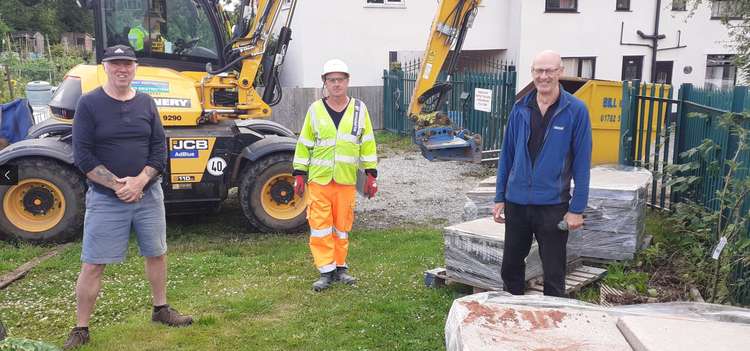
(398, 85)
(646, 132)
(697, 119)
(654, 137)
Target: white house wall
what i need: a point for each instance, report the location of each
(595, 32)
(362, 36)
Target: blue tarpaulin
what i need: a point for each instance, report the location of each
(15, 120)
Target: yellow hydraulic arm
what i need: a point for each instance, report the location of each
(249, 44)
(449, 27)
(433, 134)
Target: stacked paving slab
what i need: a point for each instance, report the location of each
(614, 219)
(474, 254)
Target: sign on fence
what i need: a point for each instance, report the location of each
(483, 99)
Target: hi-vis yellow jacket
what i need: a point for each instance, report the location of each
(326, 153)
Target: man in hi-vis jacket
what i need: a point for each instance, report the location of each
(335, 142)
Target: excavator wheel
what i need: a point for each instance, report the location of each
(47, 204)
(267, 196)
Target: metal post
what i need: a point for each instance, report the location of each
(679, 132)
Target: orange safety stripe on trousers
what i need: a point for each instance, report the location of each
(330, 208)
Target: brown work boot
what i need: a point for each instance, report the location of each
(76, 338)
(170, 317)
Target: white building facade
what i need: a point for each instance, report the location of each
(364, 32)
(597, 38)
(600, 39)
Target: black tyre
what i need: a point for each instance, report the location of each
(47, 204)
(267, 196)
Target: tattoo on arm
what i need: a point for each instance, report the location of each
(103, 176)
(150, 172)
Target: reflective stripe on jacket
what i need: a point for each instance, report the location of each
(327, 153)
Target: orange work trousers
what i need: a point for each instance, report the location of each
(330, 213)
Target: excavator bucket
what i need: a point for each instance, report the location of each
(447, 144)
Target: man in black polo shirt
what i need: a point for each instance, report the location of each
(118, 142)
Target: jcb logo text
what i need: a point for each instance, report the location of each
(199, 144)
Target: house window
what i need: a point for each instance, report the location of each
(385, 3)
(561, 6)
(622, 5)
(726, 9)
(583, 67)
(679, 5)
(721, 73)
(632, 67)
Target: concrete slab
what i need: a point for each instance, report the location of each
(673, 334)
(474, 254)
(615, 216)
(477, 325)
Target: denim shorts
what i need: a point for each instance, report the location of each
(108, 222)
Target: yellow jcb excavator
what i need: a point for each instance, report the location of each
(202, 73)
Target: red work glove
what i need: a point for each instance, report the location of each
(371, 187)
(299, 185)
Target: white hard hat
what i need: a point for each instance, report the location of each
(334, 65)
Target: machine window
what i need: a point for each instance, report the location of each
(173, 29)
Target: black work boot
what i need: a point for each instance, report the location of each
(344, 277)
(77, 337)
(324, 281)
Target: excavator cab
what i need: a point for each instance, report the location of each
(184, 35)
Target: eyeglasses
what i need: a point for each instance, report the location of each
(336, 80)
(547, 71)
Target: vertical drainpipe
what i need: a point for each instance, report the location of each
(655, 40)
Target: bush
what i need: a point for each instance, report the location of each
(51, 69)
(711, 242)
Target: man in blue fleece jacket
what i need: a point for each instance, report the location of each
(547, 142)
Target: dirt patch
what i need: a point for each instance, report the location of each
(415, 191)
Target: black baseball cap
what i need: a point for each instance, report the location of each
(119, 52)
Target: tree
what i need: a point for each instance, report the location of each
(50, 17)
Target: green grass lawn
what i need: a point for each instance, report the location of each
(394, 142)
(248, 292)
(14, 254)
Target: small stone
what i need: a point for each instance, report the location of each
(652, 292)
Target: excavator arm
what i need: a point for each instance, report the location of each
(433, 133)
(253, 45)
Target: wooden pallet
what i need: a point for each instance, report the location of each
(438, 277)
(578, 277)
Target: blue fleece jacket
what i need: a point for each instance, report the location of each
(565, 154)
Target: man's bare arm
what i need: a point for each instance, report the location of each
(149, 172)
(101, 175)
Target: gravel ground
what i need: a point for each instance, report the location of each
(414, 191)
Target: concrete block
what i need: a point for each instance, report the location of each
(673, 334)
(474, 254)
(477, 324)
(615, 216)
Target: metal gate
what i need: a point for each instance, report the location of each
(398, 85)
